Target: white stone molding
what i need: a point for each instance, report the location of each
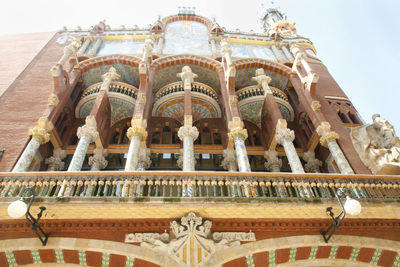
(108, 77)
(226, 51)
(263, 80)
(187, 76)
(148, 48)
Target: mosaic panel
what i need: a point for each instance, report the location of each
(129, 74)
(128, 47)
(244, 78)
(252, 51)
(186, 37)
(167, 75)
(251, 111)
(250, 261)
(129, 261)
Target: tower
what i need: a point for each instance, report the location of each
(185, 144)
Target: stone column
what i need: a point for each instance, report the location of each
(287, 53)
(87, 134)
(285, 137)
(83, 47)
(40, 135)
(277, 53)
(95, 47)
(55, 162)
(188, 134)
(229, 162)
(136, 133)
(226, 51)
(328, 139)
(312, 164)
(144, 157)
(69, 50)
(273, 164)
(160, 44)
(147, 49)
(238, 135)
(213, 47)
(108, 77)
(98, 160)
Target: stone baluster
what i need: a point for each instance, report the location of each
(226, 51)
(188, 134)
(98, 160)
(273, 164)
(95, 47)
(285, 137)
(69, 50)
(328, 139)
(40, 135)
(213, 47)
(160, 44)
(312, 164)
(229, 161)
(125, 188)
(277, 53)
(287, 53)
(87, 134)
(238, 135)
(147, 48)
(136, 133)
(83, 47)
(55, 162)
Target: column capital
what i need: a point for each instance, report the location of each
(72, 48)
(137, 130)
(41, 132)
(312, 164)
(89, 130)
(325, 133)
(144, 157)
(110, 75)
(273, 163)
(263, 80)
(187, 130)
(187, 77)
(236, 129)
(55, 162)
(282, 133)
(229, 161)
(98, 158)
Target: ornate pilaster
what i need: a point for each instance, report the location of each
(147, 48)
(238, 134)
(136, 133)
(263, 81)
(285, 137)
(229, 161)
(226, 51)
(98, 160)
(188, 134)
(328, 139)
(40, 135)
(87, 134)
(83, 48)
(55, 162)
(312, 164)
(95, 46)
(273, 164)
(108, 77)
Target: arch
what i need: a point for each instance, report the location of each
(361, 244)
(195, 18)
(263, 63)
(95, 62)
(93, 245)
(204, 62)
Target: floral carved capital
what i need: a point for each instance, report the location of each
(187, 130)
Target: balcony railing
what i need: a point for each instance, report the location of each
(197, 185)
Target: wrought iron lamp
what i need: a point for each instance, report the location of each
(352, 207)
(18, 208)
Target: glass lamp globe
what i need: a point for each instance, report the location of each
(352, 206)
(17, 209)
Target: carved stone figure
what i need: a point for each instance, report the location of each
(378, 146)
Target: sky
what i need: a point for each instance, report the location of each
(356, 39)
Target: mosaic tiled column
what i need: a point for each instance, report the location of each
(83, 47)
(40, 135)
(285, 137)
(312, 164)
(229, 161)
(55, 162)
(273, 164)
(328, 139)
(238, 135)
(136, 133)
(87, 134)
(98, 160)
(188, 134)
(95, 47)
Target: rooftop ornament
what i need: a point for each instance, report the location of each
(18, 208)
(352, 207)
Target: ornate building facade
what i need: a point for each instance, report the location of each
(187, 144)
